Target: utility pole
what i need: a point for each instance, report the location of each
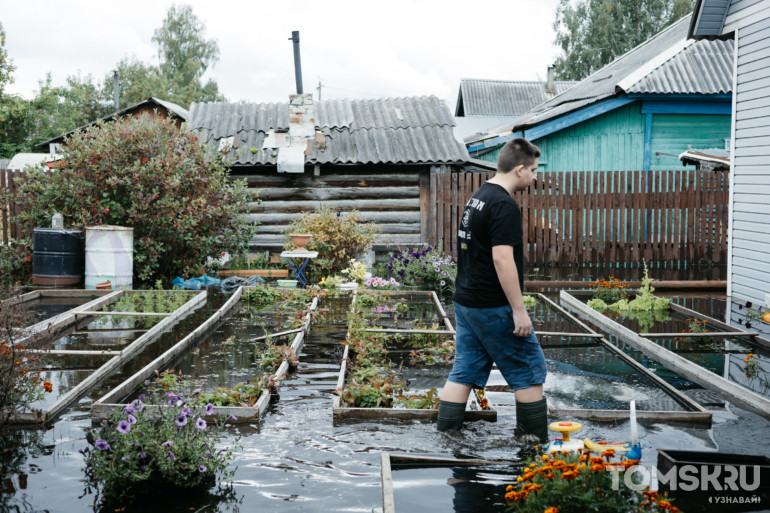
(319, 89)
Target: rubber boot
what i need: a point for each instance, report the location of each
(450, 416)
(532, 418)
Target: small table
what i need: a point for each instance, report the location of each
(297, 260)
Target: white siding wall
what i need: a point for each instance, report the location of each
(750, 266)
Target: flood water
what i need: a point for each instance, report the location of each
(297, 458)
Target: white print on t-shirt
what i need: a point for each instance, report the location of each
(475, 203)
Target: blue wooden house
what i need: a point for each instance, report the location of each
(639, 112)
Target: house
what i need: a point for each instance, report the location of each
(639, 112)
(375, 156)
(150, 106)
(749, 242)
(482, 104)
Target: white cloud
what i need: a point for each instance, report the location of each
(357, 48)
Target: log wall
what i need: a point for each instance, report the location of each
(395, 199)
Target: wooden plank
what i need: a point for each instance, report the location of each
(315, 193)
(343, 205)
(447, 222)
(122, 314)
(410, 331)
(641, 415)
(264, 273)
(388, 504)
(333, 180)
(707, 334)
(279, 334)
(74, 352)
(4, 207)
(433, 209)
(426, 212)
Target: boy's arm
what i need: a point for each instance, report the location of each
(507, 273)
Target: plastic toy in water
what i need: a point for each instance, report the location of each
(636, 449)
(564, 443)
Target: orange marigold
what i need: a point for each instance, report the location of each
(551, 510)
(48, 386)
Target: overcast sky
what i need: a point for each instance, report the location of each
(357, 49)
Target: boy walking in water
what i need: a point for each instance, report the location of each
(492, 322)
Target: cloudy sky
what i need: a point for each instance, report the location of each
(356, 49)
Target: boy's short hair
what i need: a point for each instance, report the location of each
(517, 152)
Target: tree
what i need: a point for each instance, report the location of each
(145, 173)
(184, 55)
(592, 33)
(6, 65)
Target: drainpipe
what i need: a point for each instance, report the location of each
(550, 87)
(297, 62)
(115, 91)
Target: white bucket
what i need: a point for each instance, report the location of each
(109, 257)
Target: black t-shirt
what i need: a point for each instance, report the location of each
(490, 218)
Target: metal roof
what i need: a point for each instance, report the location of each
(373, 131)
(667, 63)
(704, 67)
(479, 97)
(709, 159)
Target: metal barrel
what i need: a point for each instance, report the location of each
(109, 257)
(57, 257)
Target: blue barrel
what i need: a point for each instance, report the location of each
(57, 258)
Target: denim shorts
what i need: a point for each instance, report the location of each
(484, 336)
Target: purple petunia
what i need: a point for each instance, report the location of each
(142, 454)
(201, 468)
(200, 424)
(83, 451)
(233, 418)
(168, 394)
(208, 454)
(138, 405)
(124, 427)
(102, 445)
(181, 420)
(171, 455)
(131, 419)
(186, 411)
(129, 410)
(126, 457)
(167, 443)
(209, 409)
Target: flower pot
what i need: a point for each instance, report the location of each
(300, 240)
(287, 284)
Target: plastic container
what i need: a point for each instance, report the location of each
(109, 256)
(57, 258)
(287, 284)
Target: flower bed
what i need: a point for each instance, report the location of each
(370, 385)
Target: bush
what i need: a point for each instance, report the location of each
(336, 237)
(147, 174)
(163, 445)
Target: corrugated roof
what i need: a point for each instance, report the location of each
(374, 131)
(704, 67)
(504, 97)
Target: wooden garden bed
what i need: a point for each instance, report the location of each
(264, 273)
(116, 360)
(734, 392)
(104, 407)
(474, 411)
(692, 411)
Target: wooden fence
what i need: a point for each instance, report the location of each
(7, 211)
(591, 217)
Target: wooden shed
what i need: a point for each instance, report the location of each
(375, 156)
(151, 106)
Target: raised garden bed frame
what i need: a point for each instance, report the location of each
(103, 408)
(340, 412)
(695, 413)
(117, 358)
(736, 393)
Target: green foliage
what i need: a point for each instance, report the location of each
(14, 261)
(336, 236)
(147, 301)
(6, 64)
(15, 125)
(424, 267)
(592, 33)
(377, 393)
(184, 55)
(146, 174)
(165, 443)
(426, 401)
(610, 291)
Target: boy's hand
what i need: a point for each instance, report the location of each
(521, 322)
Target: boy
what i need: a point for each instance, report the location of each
(492, 322)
